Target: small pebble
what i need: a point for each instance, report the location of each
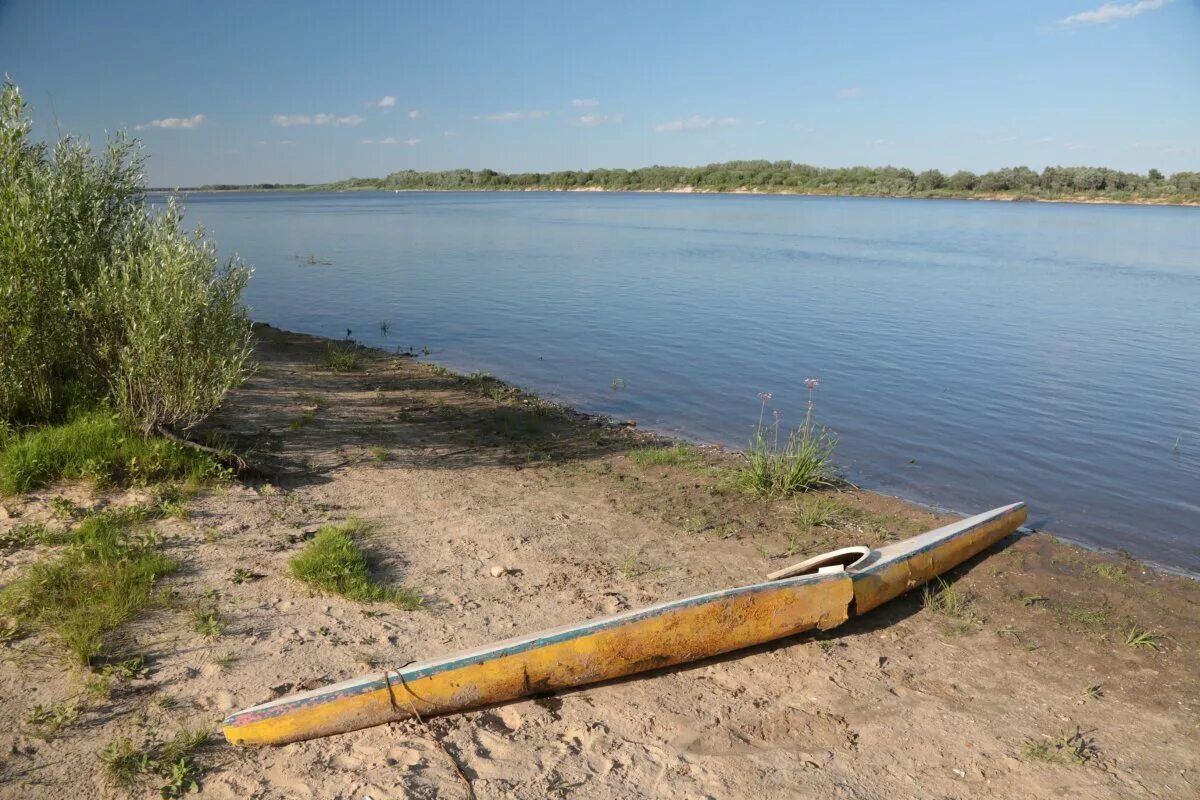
(497, 571)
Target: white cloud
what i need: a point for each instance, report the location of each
(695, 123)
(514, 116)
(1111, 12)
(387, 101)
(591, 120)
(414, 114)
(172, 122)
(587, 102)
(877, 142)
(851, 93)
(390, 140)
(300, 120)
(449, 134)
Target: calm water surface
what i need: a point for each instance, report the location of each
(970, 353)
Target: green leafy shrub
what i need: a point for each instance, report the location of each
(179, 336)
(100, 297)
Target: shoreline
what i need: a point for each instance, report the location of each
(653, 435)
(663, 437)
(994, 198)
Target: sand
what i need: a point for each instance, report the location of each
(906, 703)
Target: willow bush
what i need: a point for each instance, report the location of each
(103, 299)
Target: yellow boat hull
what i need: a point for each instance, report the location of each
(827, 591)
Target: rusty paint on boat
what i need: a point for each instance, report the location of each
(820, 593)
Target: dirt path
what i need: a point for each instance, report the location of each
(460, 476)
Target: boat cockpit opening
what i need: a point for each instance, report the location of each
(837, 560)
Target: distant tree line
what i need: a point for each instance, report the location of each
(788, 176)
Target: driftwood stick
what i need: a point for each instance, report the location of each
(231, 459)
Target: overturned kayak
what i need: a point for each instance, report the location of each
(822, 592)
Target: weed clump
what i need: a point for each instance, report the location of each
(126, 764)
(1071, 747)
(804, 460)
(104, 577)
(334, 562)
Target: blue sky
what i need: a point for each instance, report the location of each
(299, 91)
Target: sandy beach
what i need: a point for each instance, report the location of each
(507, 515)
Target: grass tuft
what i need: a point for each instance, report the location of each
(1068, 748)
(820, 512)
(804, 462)
(126, 764)
(98, 447)
(104, 578)
(207, 619)
(677, 455)
(334, 562)
(342, 359)
(303, 421)
(1143, 639)
(946, 600)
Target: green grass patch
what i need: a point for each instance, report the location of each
(303, 421)
(104, 578)
(1110, 571)
(677, 455)
(98, 447)
(821, 512)
(1083, 617)
(334, 562)
(342, 359)
(1067, 748)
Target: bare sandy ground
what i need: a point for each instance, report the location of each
(907, 703)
